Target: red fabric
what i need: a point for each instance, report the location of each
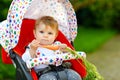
(5, 58)
(26, 36)
(33, 73)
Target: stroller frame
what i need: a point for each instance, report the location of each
(22, 72)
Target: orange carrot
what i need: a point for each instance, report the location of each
(51, 47)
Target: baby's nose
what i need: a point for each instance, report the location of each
(45, 35)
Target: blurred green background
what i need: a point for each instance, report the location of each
(98, 21)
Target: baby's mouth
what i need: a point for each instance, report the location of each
(45, 40)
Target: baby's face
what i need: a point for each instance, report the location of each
(45, 34)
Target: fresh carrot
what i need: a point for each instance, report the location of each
(51, 47)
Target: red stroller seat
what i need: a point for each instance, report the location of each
(26, 36)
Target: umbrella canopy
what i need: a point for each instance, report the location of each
(61, 10)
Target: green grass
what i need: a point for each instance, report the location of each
(89, 40)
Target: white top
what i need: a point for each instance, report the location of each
(44, 52)
(46, 57)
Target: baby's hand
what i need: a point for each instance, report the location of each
(33, 47)
(62, 47)
(34, 44)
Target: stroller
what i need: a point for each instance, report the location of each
(17, 31)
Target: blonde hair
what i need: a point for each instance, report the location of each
(48, 21)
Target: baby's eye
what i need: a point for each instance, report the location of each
(41, 31)
(50, 33)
